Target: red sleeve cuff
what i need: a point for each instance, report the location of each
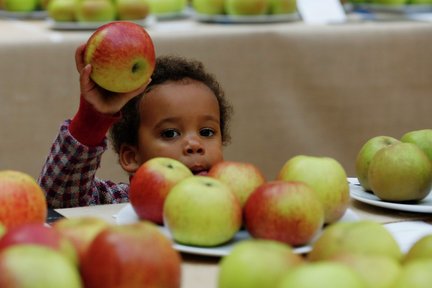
(89, 126)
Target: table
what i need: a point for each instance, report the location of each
(201, 271)
(296, 88)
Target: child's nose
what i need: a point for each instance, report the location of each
(194, 146)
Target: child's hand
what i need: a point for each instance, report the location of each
(102, 100)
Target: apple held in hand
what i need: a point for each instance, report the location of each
(131, 255)
(32, 266)
(22, 200)
(151, 184)
(122, 56)
(241, 177)
(256, 263)
(400, 172)
(365, 155)
(326, 177)
(284, 211)
(202, 211)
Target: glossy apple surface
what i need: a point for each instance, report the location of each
(202, 211)
(22, 200)
(131, 255)
(284, 211)
(151, 184)
(122, 56)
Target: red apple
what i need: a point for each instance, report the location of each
(38, 234)
(80, 231)
(122, 56)
(285, 211)
(151, 184)
(131, 255)
(241, 177)
(22, 200)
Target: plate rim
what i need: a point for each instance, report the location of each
(89, 26)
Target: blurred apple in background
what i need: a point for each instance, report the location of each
(131, 255)
(122, 56)
(422, 138)
(22, 200)
(39, 234)
(160, 7)
(20, 5)
(241, 177)
(322, 274)
(31, 266)
(285, 211)
(363, 237)
(95, 11)
(210, 7)
(132, 9)
(377, 271)
(62, 10)
(43, 4)
(282, 6)
(256, 263)
(400, 172)
(202, 211)
(421, 249)
(80, 231)
(151, 184)
(326, 177)
(365, 155)
(415, 274)
(390, 2)
(246, 7)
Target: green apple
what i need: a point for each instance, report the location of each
(80, 231)
(377, 271)
(131, 255)
(421, 2)
(365, 155)
(122, 56)
(241, 177)
(158, 7)
(364, 237)
(62, 10)
(284, 211)
(20, 5)
(151, 184)
(210, 7)
(132, 9)
(326, 177)
(256, 263)
(421, 249)
(391, 2)
(415, 274)
(322, 274)
(422, 138)
(202, 211)
(282, 6)
(400, 172)
(95, 11)
(43, 4)
(35, 266)
(246, 7)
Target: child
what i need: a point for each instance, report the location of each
(181, 114)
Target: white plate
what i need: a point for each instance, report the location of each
(127, 215)
(399, 9)
(357, 192)
(231, 19)
(56, 25)
(42, 14)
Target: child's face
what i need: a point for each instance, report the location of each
(181, 120)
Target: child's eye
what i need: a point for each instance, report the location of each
(207, 132)
(170, 133)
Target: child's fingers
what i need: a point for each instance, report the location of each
(79, 57)
(85, 80)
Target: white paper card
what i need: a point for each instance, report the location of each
(321, 11)
(408, 232)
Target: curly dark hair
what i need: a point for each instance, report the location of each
(169, 68)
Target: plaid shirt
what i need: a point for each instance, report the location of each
(69, 175)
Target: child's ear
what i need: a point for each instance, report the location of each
(129, 158)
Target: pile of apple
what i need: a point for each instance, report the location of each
(209, 210)
(76, 252)
(23, 5)
(244, 7)
(358, 254)
(392, 2)
(397, 170)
